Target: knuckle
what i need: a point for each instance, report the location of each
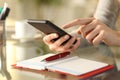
(81, 28)
(64, 38)
(44, 39)
(99, 27)
(102, 32)
(51, 47)
(94, 43)
(63, 49)
(87, 38)
(96, 21)
(77, 20)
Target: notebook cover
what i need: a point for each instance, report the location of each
(83, 76)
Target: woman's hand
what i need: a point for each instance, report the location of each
(96, 32)
(58, 44)
(69, 46)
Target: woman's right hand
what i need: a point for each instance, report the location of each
(95, 31)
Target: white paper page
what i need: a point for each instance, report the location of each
(77, 66)
(34, 63)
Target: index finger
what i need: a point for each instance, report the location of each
(78, 22)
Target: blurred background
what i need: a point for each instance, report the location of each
(58, 11)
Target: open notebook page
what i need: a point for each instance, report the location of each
(76, 65)
(34, 63)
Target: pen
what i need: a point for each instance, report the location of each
(4, 12)
(57, 56)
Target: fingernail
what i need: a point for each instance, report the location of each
(66, 37)
(55, 35)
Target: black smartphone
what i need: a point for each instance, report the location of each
(47, 27)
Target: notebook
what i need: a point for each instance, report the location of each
(80, 67)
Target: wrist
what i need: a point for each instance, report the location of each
(118, 38)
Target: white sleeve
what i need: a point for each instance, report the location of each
(107, 11)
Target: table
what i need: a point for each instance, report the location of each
(13, 48)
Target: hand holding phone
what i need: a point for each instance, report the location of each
(48, 27)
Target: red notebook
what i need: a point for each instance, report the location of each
(80, 67)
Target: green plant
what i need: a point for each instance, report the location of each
(49, 2)
(46, 2)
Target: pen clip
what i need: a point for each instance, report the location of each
(57, 56)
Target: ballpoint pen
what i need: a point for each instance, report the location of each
(57, 56)
(4, 12)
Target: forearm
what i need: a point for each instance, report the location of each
(112, 38)
(118, 38)
(107, 11)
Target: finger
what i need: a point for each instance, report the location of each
(78, 22)
(48, 38)
(58, 43)
(75, 46)
(61, 40)
(91, 35)
(80, 31)
(88, 28)
(85, 29)
(99, 38)
(69, 46)
(69, 43)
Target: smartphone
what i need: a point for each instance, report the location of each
(47, 27)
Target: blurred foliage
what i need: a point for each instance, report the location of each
(42, 46)
(46, 2)
(49, 2)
